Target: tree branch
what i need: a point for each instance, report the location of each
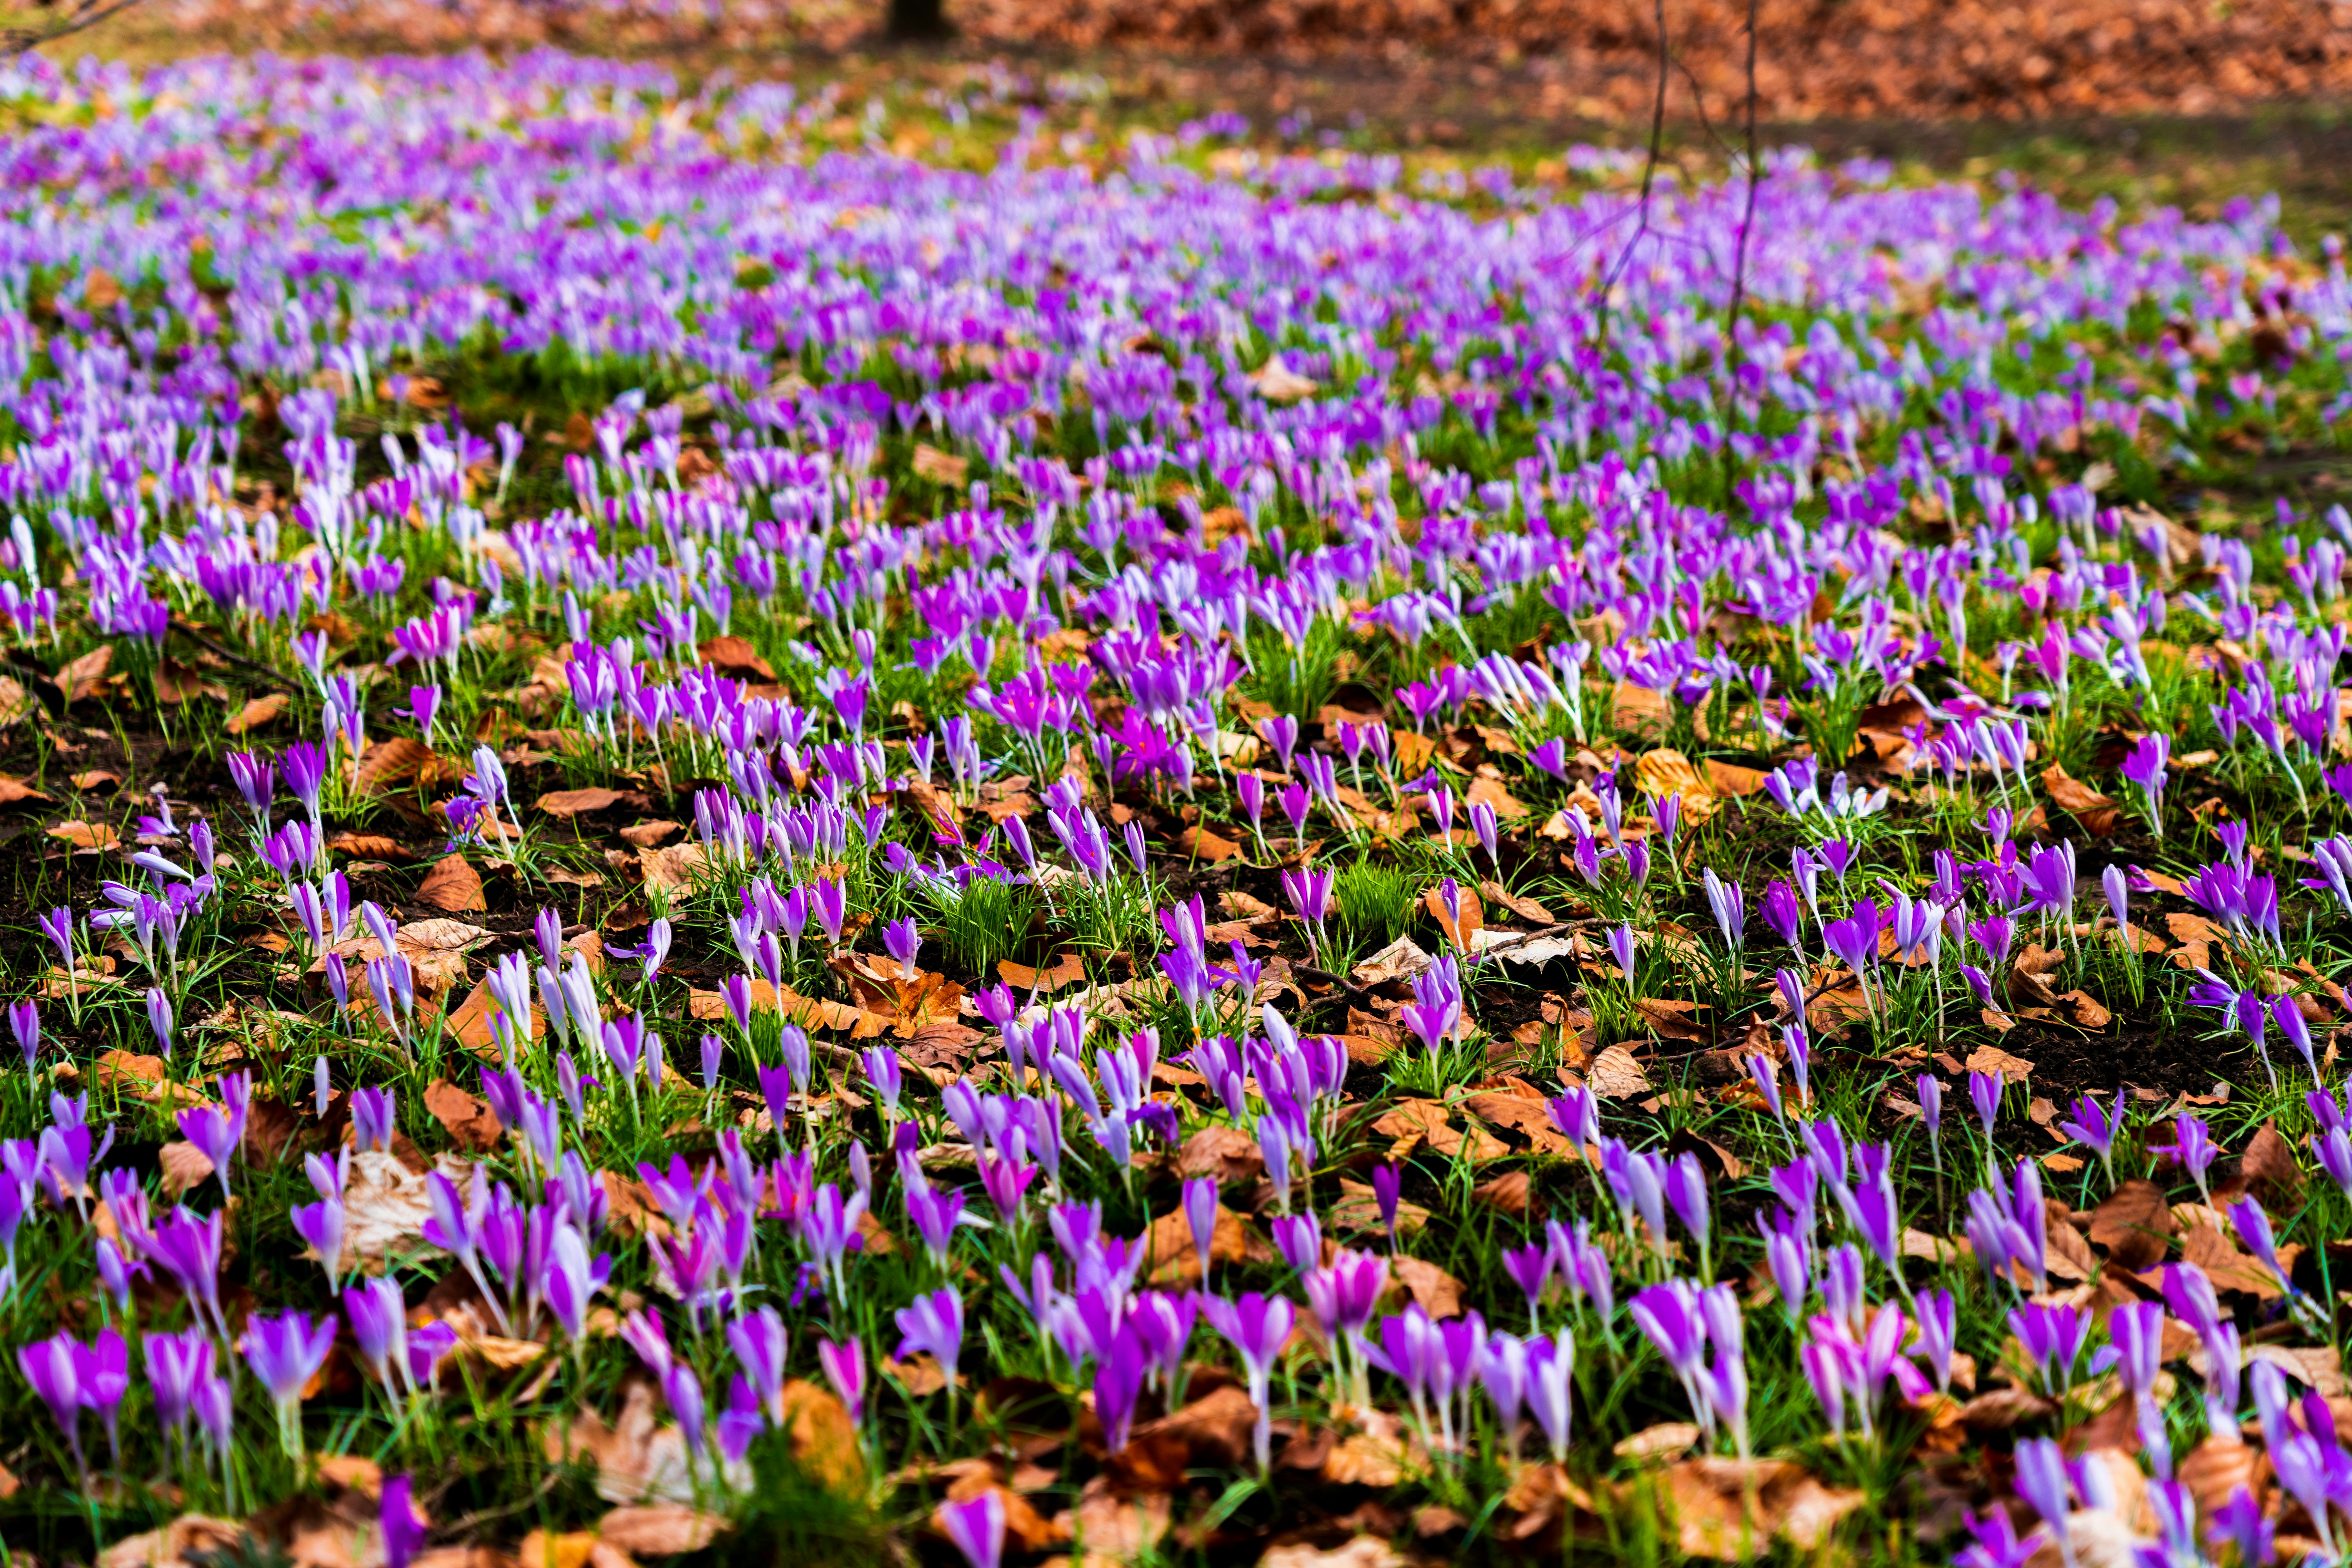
(88, 13)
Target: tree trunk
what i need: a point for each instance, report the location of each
(917, 19)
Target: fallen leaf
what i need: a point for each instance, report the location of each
(1204, 844)
(185, 1167)
(1729, 1508)
(1363, 1552)
(1666, 772)
(470, 1022)
(672, 869)
(184, 1540)
(2319, 1367)
(452, 886)
(261, 711)
(1439, 1293)
(659, 1529)
(939, 467)
(647, 834)
(81, 677)
(1615, 1075)
(435, 950)
(370, 847)
(641, 1455)
(1993, 1059)
(1069, 969)
(2268, 1169)
(353, 1472)
(94, 778)
(1662, 1440)
(1508, 1193)
(14, 790)
(730, 655)
(385, 1205)
(1401, 960)
(1473, 916)
(573, 802)
(2135, 1224)
(1527, 908)
(90, 835)
(466, 1117)
(2097, 813)
(1223, 1151)
(386, 766)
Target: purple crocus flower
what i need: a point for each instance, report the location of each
(285, 1352)
(1256, 1327)
(934, 1323)
(2096, 1126)
(976, 1525)
(845, 1367)
(404, 1528)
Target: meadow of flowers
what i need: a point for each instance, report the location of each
(729, 847)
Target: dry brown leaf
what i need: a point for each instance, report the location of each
(1363, 1552)
(568, 1549)
(649, 835)
(674, 867)
(1359, 1209)
(2134, 1225)
(1531, 1117)
(2269, 1170)
(1473, 920)
(1223, 1151)
(185, 1167)
(639, 1457)
(81, 677)
(261, 711)
(1508, 1191)
(14, 790)
(371, 846)
(179, 1542)
(452, 886)
(1069, 969)
(467, 1118)
(435, 950)
(659, 1529)
(1732, 1509)
(2216, 1469)
(1401, 960)
(942, 467)
(469, 1023)
(1374, 1456)
(2097, 813)
(1173, 1260)
(1206, 844)
(824, 1437)
(94, 778)
(386, 766)
(732, 655)
(1439, 1293)
(1615, 1075)
(1489, 791)
(1666, 772)
(385, 1205)
(573, 802)
(1664, 1440)
(353, 1472)
(1993, 1059)
(90, 836)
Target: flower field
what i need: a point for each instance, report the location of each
(745, 832)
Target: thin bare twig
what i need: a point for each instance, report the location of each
(88, 15)
(1748, 217)
(1649, 176)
